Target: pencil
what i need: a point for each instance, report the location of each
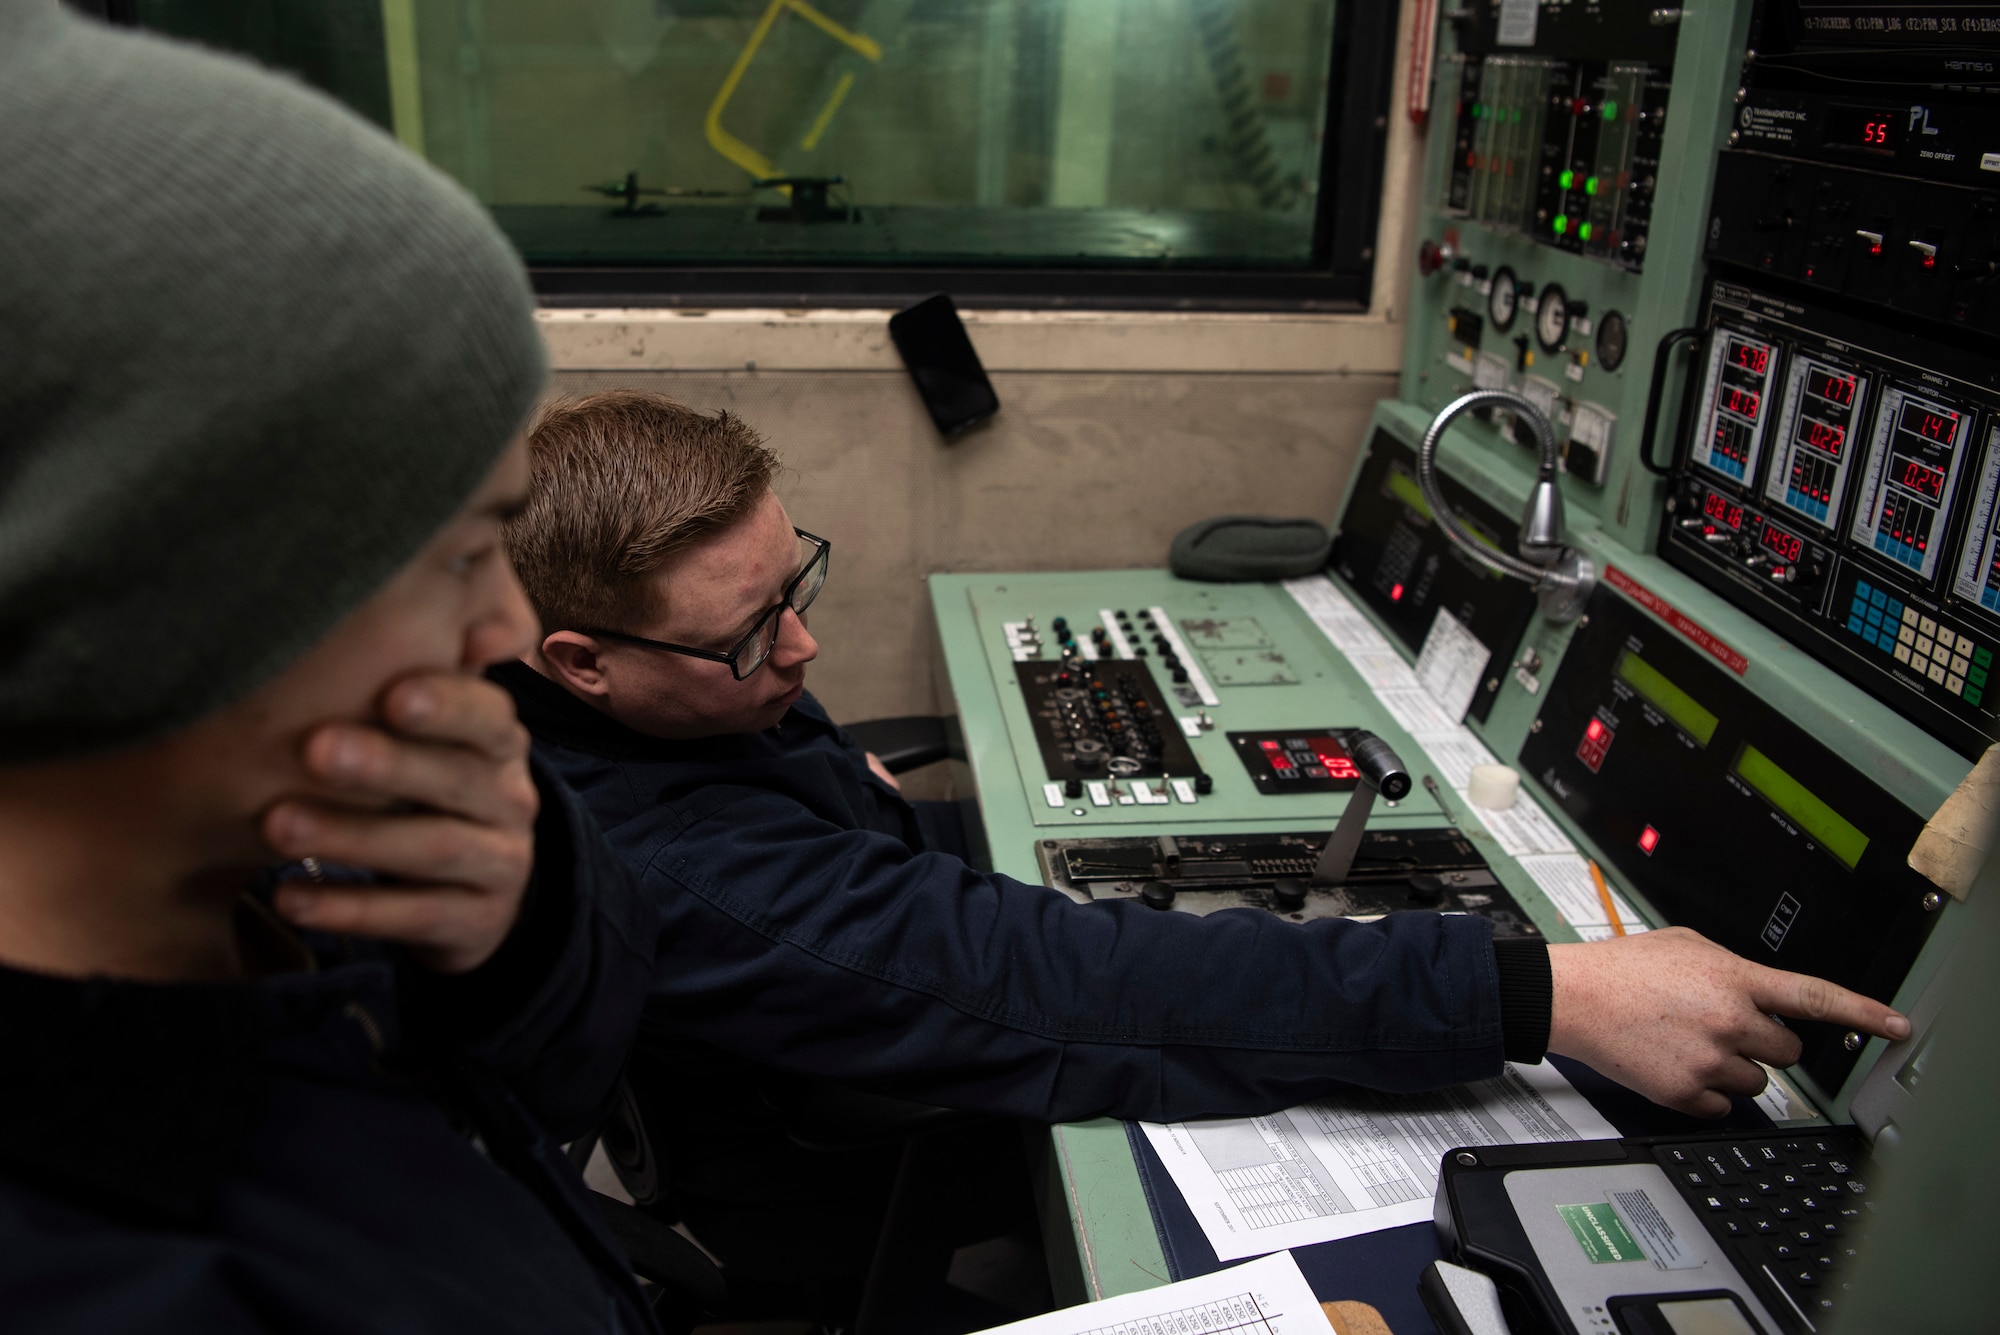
(1604, 896)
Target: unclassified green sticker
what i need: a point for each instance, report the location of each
(1600, 1232)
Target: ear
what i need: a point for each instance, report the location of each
(575, 661)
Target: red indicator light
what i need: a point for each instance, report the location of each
(1594, 731)
(1396, 594)
(1268, 746)
(1278, 761)
(1649, 839)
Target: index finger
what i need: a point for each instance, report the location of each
(457, 708)
(1808, 998)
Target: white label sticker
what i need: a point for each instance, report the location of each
(1098, 796)
(1190, 725)
(1184, 790)
(1656, 1235)
(1517, 22)
(1053, 792)
(1989, 162)
(1451, 665)
(1582, 326)
(1573, 372)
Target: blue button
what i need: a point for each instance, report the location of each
(1874, 616)
(1862, 588)
(1879, 598)
(1860, 607)
(1895, 610)
(1854, 624)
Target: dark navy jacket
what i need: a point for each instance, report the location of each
(296, 1154)
(804, 926)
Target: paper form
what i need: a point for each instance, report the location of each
(1265, 1297)
(1356, 1164)
(1451, 665)
(1565, 878)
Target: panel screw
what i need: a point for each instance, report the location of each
(1466, 1159)
(1492, 683)
(1932, 901)
(1735, 138)
(1079, 811)
(1582, 622)
(1536, 726)
(1851, 1041)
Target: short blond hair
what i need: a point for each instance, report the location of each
(620, 483)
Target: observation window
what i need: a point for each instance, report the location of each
(1177, 151)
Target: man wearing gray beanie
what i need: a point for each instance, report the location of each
(262, 376)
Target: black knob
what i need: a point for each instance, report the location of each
(1180, 676)
(1577, 308)
(1204, 783)
(1157, 895)
(1289, 893)
(1073, 787)
(1426, 889)
(1061, 624)
(1479, 271)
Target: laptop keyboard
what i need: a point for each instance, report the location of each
(1789, 1206)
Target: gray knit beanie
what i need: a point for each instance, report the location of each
(252, 356)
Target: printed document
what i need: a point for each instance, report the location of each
(1355, 1164)
(1267, 1297)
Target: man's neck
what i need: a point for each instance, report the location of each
(98, 876)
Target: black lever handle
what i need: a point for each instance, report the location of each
(1653, 398)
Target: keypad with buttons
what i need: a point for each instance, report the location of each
(1789, 1207)
(1942, 653)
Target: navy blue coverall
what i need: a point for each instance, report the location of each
(807, 928)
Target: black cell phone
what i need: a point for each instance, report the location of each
(939, 355)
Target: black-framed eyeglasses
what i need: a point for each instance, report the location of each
(751, 651)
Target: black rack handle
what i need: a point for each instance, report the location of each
(1673, 336)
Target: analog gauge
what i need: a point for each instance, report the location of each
(1503, 303)
(1552, 317)
(1611, 332)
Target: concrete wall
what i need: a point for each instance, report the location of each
(1116, 430)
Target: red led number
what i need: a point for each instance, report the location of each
(1783, 543)
(1875, 132)
(1717, 506)
(1738, 402)
(1750, 356)
(1821, 436)
(1917, 477)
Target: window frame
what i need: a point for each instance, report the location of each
(1337, 279)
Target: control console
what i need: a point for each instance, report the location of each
(1435, 869)
(1842, 481)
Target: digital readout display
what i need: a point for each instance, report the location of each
(1831, 386)
(1686, 712)
(1787, 547)
(1822, 403)
(1869, 129)
(1739, 378)
(1937, 425)
(1752, 357)
(1806, 809)
(1719, 508)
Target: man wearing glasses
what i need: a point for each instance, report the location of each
(815, 923)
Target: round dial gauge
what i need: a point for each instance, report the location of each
(1503, 303)
(1552, 317)
(1611, 337)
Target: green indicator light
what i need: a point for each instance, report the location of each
(1610, 110)
(1478, 111)
(1590, 185)
(1567, 179)
(1583, 232)
(1561, 223)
